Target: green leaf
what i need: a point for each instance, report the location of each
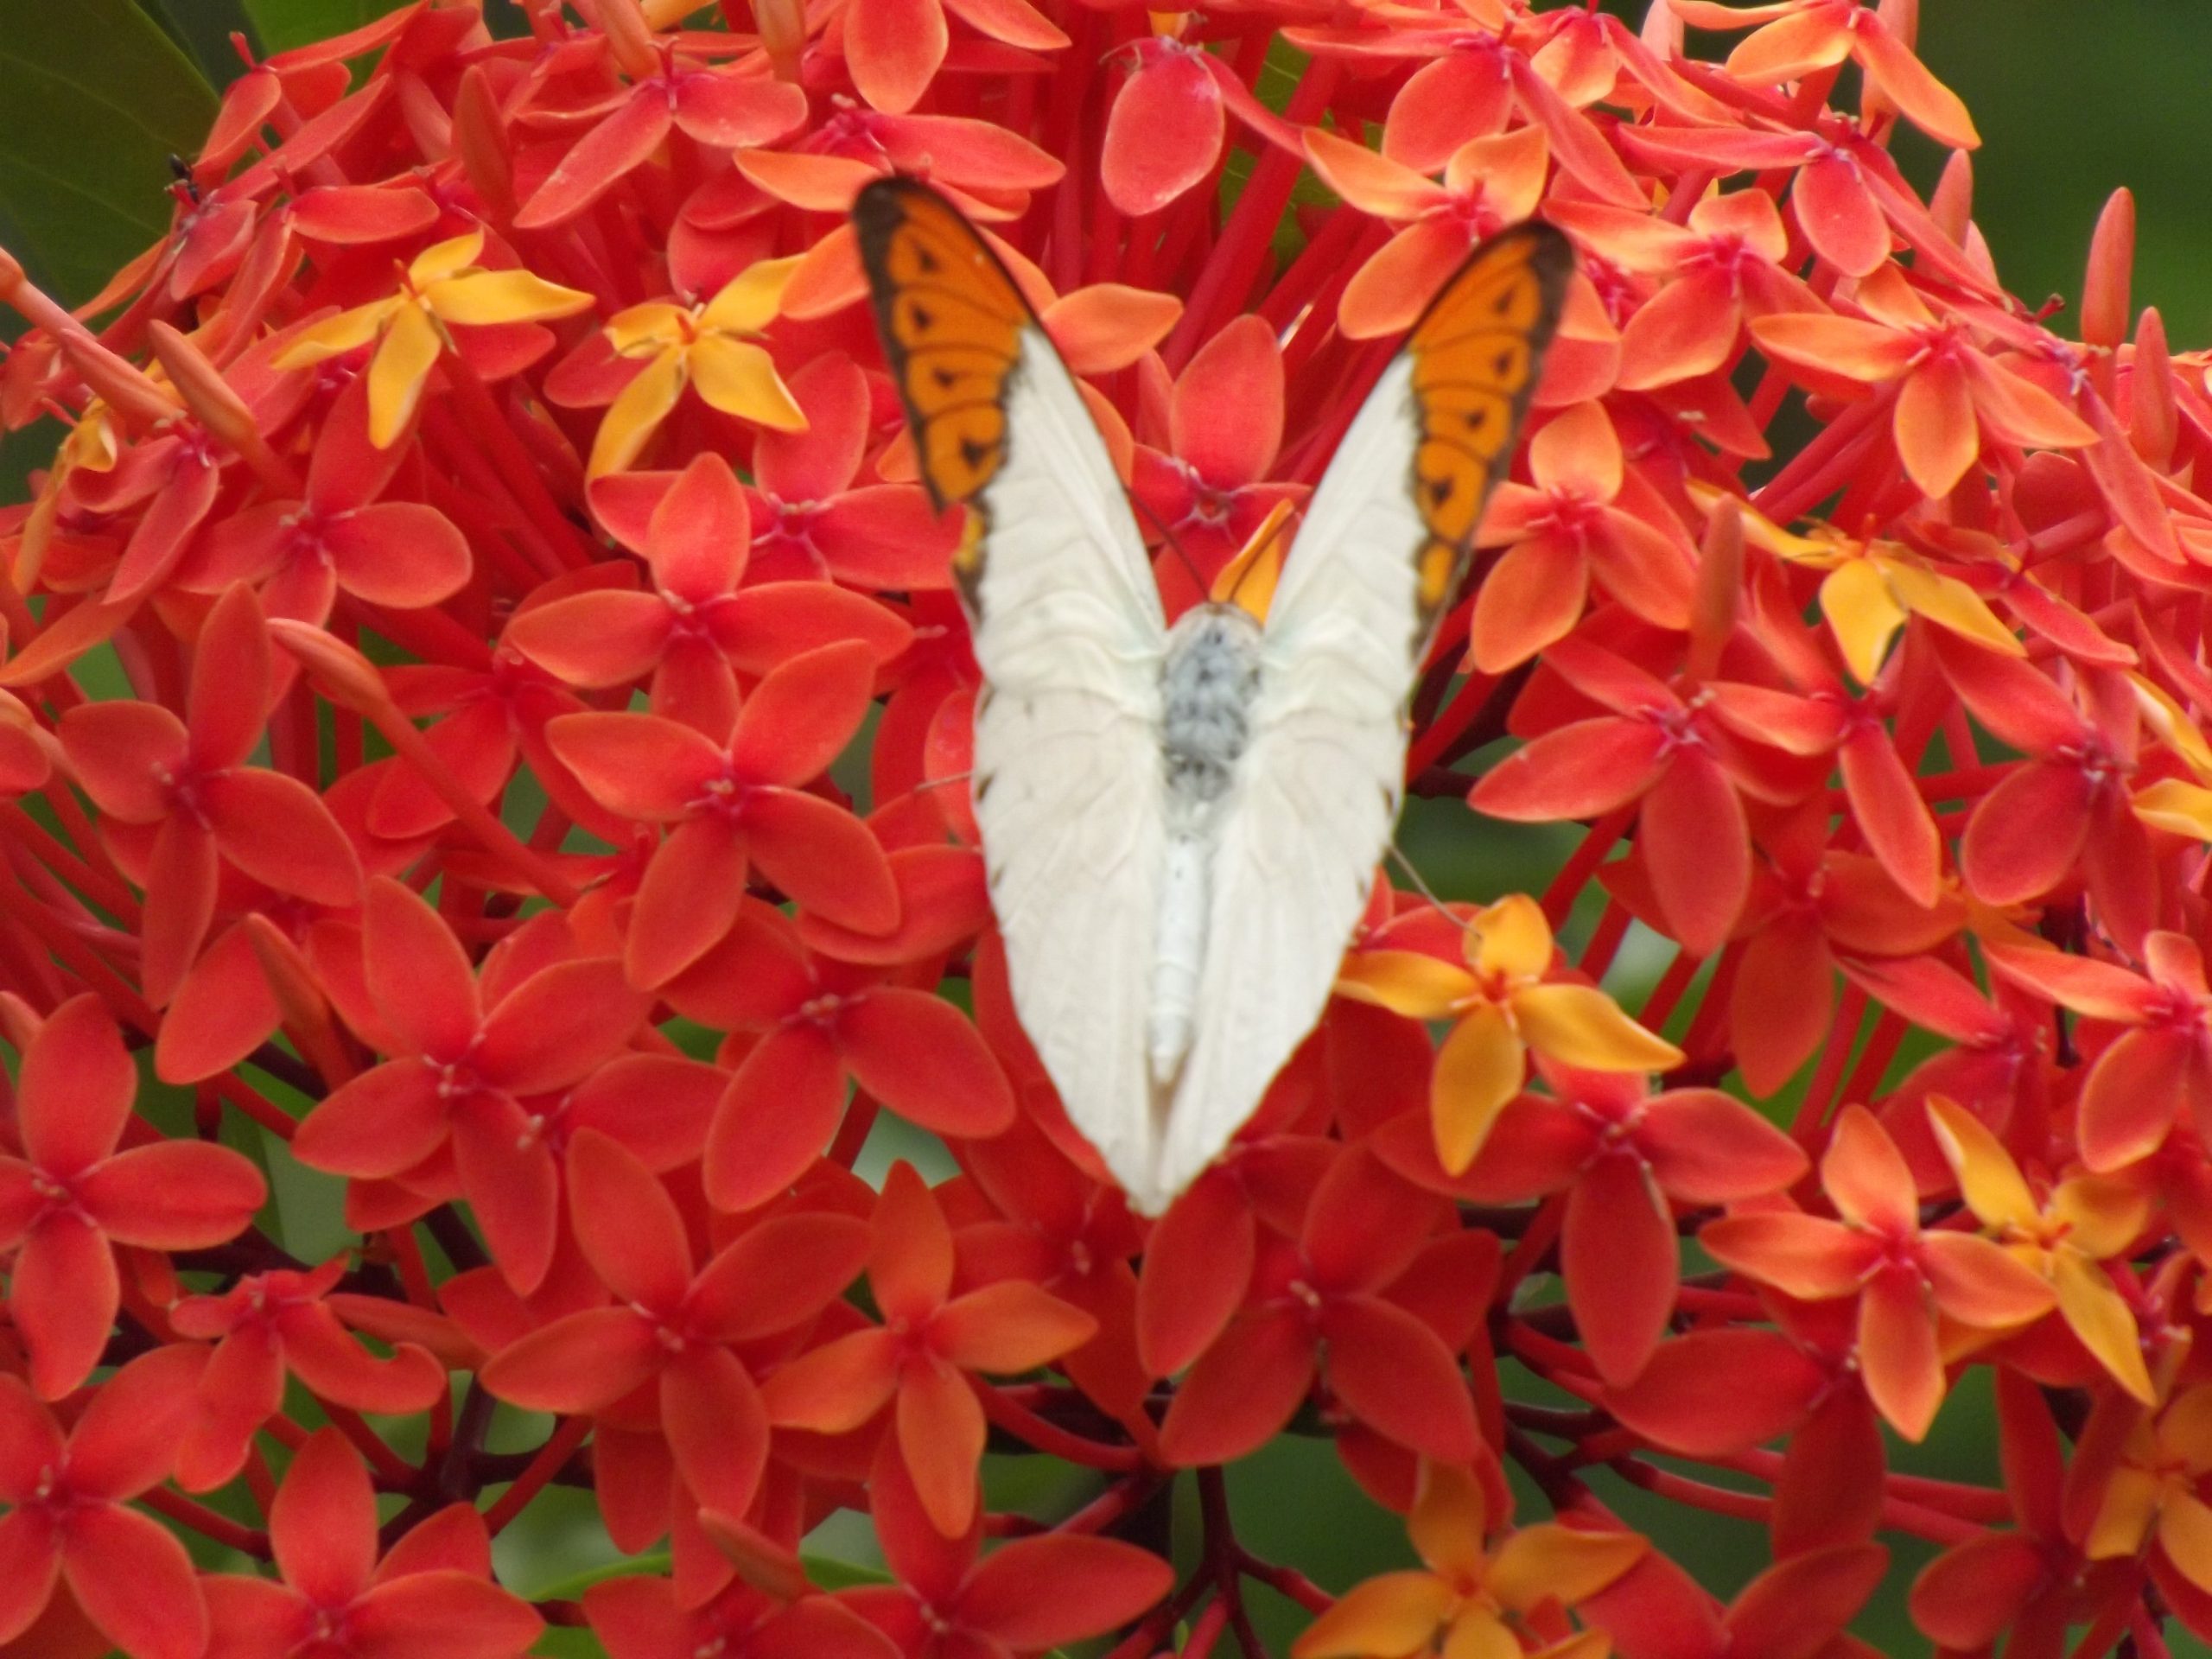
(203, 28)
(283, 24)
(97, 99)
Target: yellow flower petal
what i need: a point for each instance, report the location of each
(2182, 808)
(1511, 937)
(2185, 1534)
(2094, 1309)
(1862, 614)
(1394, 1613)
(1549, 1560)
(1989, 1180)
(444, 260)
(632, 419)
(741, 379)
(1481, 1066)
(748, 302)
(1477, 1633)
(483, 297)
(1446, 1522)
(2185, 1429)
(334, 336)
(1950, 603)
(643, 329)
(2130, 1505)
(2102, 1213)
(408, 352)
(1579, 1025)
(1410, 983)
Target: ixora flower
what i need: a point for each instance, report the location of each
(501, 995)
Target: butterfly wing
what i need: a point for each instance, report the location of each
(1383, 548)
(1067, 626)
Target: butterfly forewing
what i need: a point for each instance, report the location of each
(1090, 852)
(1067, 629)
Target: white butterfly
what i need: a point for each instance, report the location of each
(1180, 825)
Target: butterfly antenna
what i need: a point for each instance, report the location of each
(1399, 858)
(1174, 542)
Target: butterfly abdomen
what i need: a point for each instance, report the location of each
(1208, 681)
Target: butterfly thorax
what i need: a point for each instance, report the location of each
(1208, 680)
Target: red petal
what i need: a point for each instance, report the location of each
(639, 766)
(221, 1013)
(838, 1387)
(892, 48)
(728, 111)
(595, 640)
(1707, 1148)
(1697, 849)
(2133, 1092)
(126, 1440)
(688, 898)
(1007, 1327)
(1242, 1391)
(441, 1615)
(323, 1524)
(778, 1114)
(804, 714)
(698, 537)
(179, 903)
(135, 1582)
(1198, 1264)
(816, 464)
(278, 831)
(887, 536)
(1099, 1585)
(941, 1433)
(1891, 815)
(401, 554)
(628, 1227)
(29, 1561)
(117, 751)
(74, 1094)
(1783, 1000)
(1577, 772)
(909, 1256)
(418, 972)
(1771, 1384)
(557, 1026)
(779, 1274)
(385, 1121)
(332, 1364)
(174, 1195)
(1838, 214)
(63, 1296)
(1396, 1375)
(581, 1362)
(1617, 1253)
(921, 1057)
(2026, 833)
(613, 147)
(716, 1427)
(508, 1175)
(1163, 135)
(228, 702)
(823, 858)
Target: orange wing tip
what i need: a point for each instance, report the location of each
(1249, 578)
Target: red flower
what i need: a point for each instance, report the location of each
(918, 1359)
(432, 1591)
(182, 799)
(820, 1023)
(463, 1059)
(674, 1326)
(734, 796)
(72, 1196)
(67, 1518)
(949, 1604)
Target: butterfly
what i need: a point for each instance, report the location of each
(1181, 824)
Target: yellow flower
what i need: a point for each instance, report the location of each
(1871, 586)
(441, 286)
(1471, 1596)
(2084, 1221)
(1505, 1006)
(710, 346)
(2153, 1492)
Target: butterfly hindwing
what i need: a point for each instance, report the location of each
(1067, 628)
(1383, 550)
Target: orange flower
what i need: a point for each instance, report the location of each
(1507, 1003)
(1907, 1280)
(1474, 1597)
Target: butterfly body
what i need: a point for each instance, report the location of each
(1181, 824)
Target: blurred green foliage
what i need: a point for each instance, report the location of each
(2072, 102)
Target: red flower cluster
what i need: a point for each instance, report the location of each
(538, 802)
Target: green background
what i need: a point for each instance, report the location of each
(2072, 100)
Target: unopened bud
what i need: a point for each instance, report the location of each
(218, 406)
